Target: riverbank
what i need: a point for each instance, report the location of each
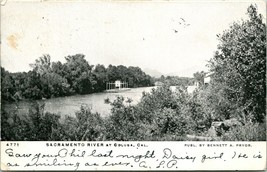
(68, 105)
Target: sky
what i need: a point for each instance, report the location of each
(172, 37)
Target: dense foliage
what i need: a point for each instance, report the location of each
(239, 65)
(159, 116)
(175, 80)
(53, 79)
(37, 125)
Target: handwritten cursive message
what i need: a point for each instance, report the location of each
(130, 155)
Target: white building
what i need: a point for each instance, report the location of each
(207, 80)
(117, 85)
(192, 88)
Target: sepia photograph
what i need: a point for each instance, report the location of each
(133, 71)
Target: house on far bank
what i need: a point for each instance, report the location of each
(158, 83)
(192, 88)
(207, 80)
(196, 86)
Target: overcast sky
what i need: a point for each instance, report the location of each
(144, 34)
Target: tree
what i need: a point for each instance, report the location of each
(51, 77)
(42, 65)
(7, 86)
(78, 73)
(100, 76)
(33, 86)
(58, 68)
(240, 64)
(112, 73)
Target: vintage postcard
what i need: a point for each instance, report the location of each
(133, 85)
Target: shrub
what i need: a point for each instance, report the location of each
(14, 127)
(160, 114)
(123, 122)
(37, 125)
(86, 126)
(248, 132)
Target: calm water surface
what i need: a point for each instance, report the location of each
(69, 105)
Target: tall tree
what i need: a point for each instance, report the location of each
(42, 65)
(240, 64)
(78, 73)
(100, 76)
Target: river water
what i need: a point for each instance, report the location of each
(69, 105)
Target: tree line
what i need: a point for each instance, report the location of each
(175, 80)
(76, 76)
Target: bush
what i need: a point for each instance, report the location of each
(248, 132)
(159, 115)
(123, 122)
(14, 127)
(40, 126)
(86, 126)
(37, 126)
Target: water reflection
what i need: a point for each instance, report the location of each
(69, 105)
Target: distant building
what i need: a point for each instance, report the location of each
(192, 88)
(207, 80)
(196, 86)
(158, 83)
(117, 86)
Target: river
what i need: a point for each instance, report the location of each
(69, 105)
